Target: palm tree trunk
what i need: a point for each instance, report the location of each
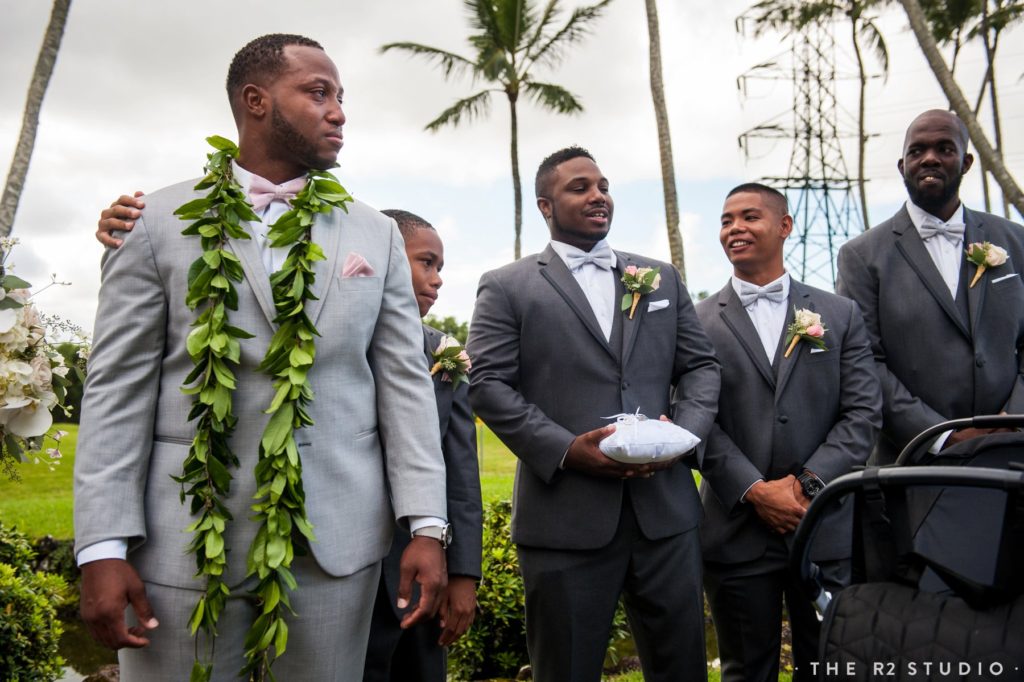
(517, 186)
(862, 137)
(668, 173)
(30, 122)
(991, 159)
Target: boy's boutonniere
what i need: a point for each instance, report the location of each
(985, 255)
(807, 325)
(451, 359)
(639, 282)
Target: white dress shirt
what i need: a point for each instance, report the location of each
(769, 317)
(273, 260)
(598, 285)
(947, 256)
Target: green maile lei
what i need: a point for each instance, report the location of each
(213, 344)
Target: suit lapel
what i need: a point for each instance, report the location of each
(974, 232)
(553, 269)
(248, 252)
(327, 231)
(799, 297)
(629, 327)
(910, 246)
(738, 321)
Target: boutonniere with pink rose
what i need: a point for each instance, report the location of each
(451, 359)
(639, 282)
(985, 255)
(807, 325)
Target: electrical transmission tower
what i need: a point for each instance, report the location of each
(818, 186)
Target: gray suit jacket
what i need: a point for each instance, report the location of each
(935, 365)
(465, 510)
(813, 410)
(374, 411)
(543, 373)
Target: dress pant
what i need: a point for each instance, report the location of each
(397, 655)
(571, 596)
(326, 636)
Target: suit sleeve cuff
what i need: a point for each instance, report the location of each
(417, 522)
(105, 549)
(939, 442)
(743, 497)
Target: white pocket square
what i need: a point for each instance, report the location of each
(818, 350)
(1000, 279)
(657, 305)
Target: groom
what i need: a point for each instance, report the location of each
(369, 390)
(555, 358)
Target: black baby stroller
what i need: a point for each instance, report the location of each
(938, 565)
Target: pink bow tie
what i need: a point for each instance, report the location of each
(262, 191)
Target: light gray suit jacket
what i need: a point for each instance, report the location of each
(543, 373)
(813, 410)
(935, 365)
(373, 408)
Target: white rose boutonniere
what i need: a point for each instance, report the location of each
(451, 359)
(985, 255)
(639, 282)
(806, 325)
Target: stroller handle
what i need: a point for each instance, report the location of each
(987, 421)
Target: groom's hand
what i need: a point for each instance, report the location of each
(120, 217)
(108, 587)
(423, 561)
(584, 455)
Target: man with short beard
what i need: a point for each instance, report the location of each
(944, 348)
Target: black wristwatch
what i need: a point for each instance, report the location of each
(811, 484)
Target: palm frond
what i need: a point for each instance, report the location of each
(470, 108)
(876, 41)
(550, 51)
(547, 17)
(449, 62)
(553, 97)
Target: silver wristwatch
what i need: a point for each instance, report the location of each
(442, 534)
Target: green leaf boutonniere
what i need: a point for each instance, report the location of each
(985, 255)
(639, 282)
(807, 326)
(451, 359)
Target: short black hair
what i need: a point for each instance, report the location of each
(261, 58)
(548, 165)
(407, 222)
(770, 193)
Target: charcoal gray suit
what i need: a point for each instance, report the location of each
(815, 410)
(938, 357)
(375, 430)
(544, 373)
(413, 655)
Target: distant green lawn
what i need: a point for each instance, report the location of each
(40, 503)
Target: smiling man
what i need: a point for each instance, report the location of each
(787, 424)
(371, 455)
(554, 359)
(944, 348)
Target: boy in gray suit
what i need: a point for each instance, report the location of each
(790, 419)
(945, 347)
(555, 356)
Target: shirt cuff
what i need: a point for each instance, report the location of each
(939, 442)
(417, 522)
(743, 497)
(105, 549)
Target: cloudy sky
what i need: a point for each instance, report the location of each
(138, 86)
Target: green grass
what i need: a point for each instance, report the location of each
(40, 503)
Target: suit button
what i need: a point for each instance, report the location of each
(625, 385)
(783, 419)
(979, 361)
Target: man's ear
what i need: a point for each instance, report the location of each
(899, 166)
(787, 226)
(255, 100)
(966, 165)
(544, 204)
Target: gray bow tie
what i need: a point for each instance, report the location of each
(601, 256)
(953, 232)
(749, 293)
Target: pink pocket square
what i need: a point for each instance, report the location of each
(356, 266)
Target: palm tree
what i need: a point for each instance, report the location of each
(793, 15)
(510, 38)
(30, 122)
(668, 172)
(989, 157)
